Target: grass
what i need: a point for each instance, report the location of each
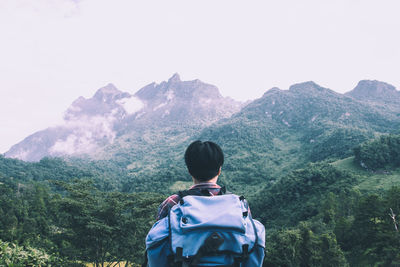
(348, 164)
(379, 182)
(370, 181)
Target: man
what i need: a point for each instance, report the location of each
(205, 226)
(204, 161)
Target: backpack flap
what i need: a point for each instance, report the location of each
(198, 212)
(198, 217)
(157, 233)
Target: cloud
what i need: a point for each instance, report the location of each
(86, 134)
(21, 154)
(131, 104)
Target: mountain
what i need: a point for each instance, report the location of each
(295, 154)
(285, 129)
(375, 91)
(180, 103)
(145, 134)
(92, 124)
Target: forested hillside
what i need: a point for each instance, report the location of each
(320, 169)
(333, 213)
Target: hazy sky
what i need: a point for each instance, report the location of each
(53, 51)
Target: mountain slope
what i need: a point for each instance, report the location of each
(285, 129)
(92, 124)
(145, 134)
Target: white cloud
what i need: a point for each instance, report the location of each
(131, 104)
(86, 133)
(74, 144)
(66, 146)
(22, 155)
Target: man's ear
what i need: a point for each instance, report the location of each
(219, 172)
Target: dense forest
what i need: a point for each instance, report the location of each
(73, 223)
(328, 213)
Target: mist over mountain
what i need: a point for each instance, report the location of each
(283, 128)
(182, 103)
(91, 124)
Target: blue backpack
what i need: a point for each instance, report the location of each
(206, 231)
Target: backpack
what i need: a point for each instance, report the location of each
(204, 230)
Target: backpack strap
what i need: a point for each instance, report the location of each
(245, 214)
(179, 260)
(238, 261)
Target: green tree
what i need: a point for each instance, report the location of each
(104, 227)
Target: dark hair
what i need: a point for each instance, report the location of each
(204, 160)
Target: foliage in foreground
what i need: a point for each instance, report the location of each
(12, 255)
(104, 227)
(83, 224)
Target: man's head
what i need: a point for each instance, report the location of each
(204, 160)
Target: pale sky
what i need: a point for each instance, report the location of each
(53, 51)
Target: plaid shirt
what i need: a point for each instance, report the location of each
(171, 201)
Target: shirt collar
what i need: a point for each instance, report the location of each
(205, 185)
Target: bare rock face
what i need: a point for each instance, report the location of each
(113, 122)
(183, 102)
(106, 100)
(91, 124)
(375, 91)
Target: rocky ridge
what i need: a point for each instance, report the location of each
(94, 123)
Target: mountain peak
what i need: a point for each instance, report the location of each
(181, 89)
(174, 79)
(374, 90)
(306, 86)
(271, 91)
(107, 91)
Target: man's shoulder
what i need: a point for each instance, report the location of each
(172, 199)
(166, 205)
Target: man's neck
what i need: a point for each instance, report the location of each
(212, 181)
